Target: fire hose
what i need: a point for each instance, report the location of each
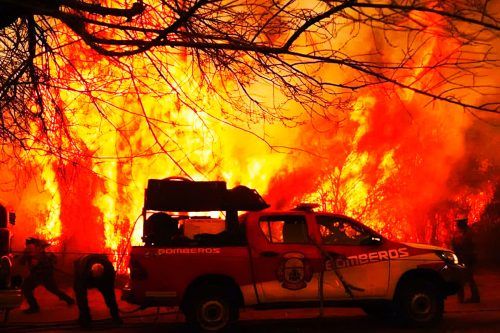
(101, 324)
(348, 288)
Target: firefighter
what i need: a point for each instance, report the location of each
(95, 271)
(463, 245)
(41, 265)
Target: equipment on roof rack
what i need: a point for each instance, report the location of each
(183, 195)
(306, 207)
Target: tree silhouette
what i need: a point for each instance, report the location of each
(290, 46)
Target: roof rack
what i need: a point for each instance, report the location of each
(178, 194)
(306, 207)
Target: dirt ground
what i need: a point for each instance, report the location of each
(56, 316)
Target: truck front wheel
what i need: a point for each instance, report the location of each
(211, 310)
(419, 303)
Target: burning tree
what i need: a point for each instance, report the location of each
(287, 44)
(112, 87)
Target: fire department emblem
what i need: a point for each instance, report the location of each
(294, 271)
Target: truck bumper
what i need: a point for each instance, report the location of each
(454, 277)
(10, 298)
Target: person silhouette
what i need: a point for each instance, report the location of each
(41, 266)
(95, 271)
(463, 245)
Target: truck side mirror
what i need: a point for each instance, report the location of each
(12, 218)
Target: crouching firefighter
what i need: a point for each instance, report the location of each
(95, 271)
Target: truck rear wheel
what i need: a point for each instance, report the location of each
(419, 303)
(211, 309)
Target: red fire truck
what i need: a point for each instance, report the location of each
(264, 259)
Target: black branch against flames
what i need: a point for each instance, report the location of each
(243, 40)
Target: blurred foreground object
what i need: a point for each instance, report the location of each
(10, 294)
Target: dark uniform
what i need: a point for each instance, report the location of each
(95, 271)
(463, 245)
(41, 265)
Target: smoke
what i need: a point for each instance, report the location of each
(404, 169)
(400, 162)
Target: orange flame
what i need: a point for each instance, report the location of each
(388, 162)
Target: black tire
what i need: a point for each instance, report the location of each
(419, 303)
(211, 309)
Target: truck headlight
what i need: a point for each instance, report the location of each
(448, 257)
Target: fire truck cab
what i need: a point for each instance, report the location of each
(277, 259)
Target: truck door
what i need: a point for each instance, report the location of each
(284, 259)
(359, 259)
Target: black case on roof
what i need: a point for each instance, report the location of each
(244, 198)
(181, 195)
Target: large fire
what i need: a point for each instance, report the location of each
(389, 160)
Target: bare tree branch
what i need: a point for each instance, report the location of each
(288, 45)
